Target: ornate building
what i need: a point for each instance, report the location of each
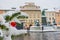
(34, 14)
(5, 10)
(50, 16)
(2, 11)
(58, 18)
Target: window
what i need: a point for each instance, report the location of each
(49, 18)
(31, 15)
(49, 22)
(30, 21)
(34, 15)
(53, 18)
(52, 14)
(38, 15)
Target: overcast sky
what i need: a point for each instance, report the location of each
(50, 4)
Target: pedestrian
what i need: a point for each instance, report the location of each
(42, 28)
(28, 28)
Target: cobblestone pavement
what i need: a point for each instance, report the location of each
(40, 36)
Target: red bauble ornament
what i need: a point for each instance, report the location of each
(13, 24)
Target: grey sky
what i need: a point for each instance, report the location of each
(42, 3)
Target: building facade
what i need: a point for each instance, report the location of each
(50, 17)
(34, 14)
(58, 18)
(2, 11)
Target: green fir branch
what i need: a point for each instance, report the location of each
(22, 17)
(14, 15)
(7, 18)
(2, 26)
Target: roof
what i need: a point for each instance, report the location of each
(6, 9)
(30, 6)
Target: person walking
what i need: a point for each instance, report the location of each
(28, 29)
